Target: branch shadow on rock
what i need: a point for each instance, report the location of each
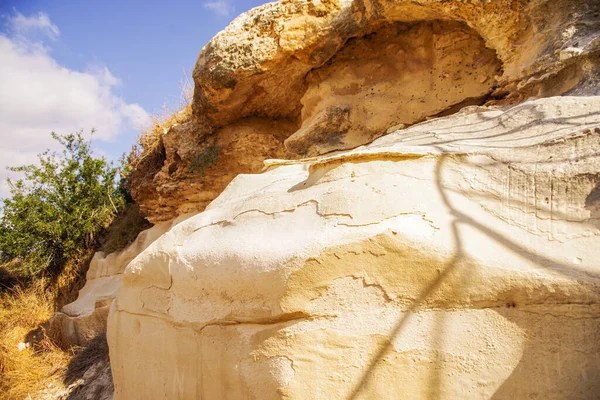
(522, 372)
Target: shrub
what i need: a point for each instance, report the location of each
(57, 209)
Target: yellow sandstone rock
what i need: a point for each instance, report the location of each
(299, 78)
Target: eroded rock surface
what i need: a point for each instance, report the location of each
(397, 75)
(259, 62)
(337, 74)
(192, 172)
(457, 258)
(85, 318)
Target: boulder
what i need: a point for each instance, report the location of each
(456, 258)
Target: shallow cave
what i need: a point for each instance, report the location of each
(395, 76)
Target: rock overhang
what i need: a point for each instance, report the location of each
(258, 64)
(291, 79)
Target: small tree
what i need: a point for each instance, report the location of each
(57, 208)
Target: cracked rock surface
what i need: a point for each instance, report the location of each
(85, 318)
(457, 258)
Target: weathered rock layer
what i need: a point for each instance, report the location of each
(395, 76)
(85, 318)
(344, 72)
(431, 228)
(453, 259)
(258, 64)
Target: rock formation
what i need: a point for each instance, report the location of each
(188, 171)
(453, 259)
(344, 72)
(429, 229)
(85, 318)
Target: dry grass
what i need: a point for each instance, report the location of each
(23, 373)
(43, 370)
(24, 309)
(149, 139)
(64, 289)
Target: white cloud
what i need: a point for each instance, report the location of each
(23, 25)
(104, 75)
(221, 7)
(39, 96)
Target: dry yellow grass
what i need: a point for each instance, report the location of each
(40, 371)
(65, 288)
(24, 373)
(149, 138)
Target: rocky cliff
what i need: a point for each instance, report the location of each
(301, 78)
(426, 223)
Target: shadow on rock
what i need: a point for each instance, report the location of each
(88, 374)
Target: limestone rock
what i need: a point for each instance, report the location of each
(304, 77)
(258, 64)
(85, 318)
(457, 258)
(399, 74)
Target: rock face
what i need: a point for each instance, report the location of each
(454, 259)
(192, 172)
(259, 62)
(398, 75)
(452, 255)
(85, 318)
(346, 72)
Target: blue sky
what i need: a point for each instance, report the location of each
(73, 64)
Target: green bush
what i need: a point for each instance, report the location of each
(59, 206)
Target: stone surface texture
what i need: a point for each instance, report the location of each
(453, 259)
(192, 172)
(85, 318)
(257, 65)
(300, 78)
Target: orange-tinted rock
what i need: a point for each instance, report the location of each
(341, 73)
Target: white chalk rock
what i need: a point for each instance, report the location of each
(454, 259)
